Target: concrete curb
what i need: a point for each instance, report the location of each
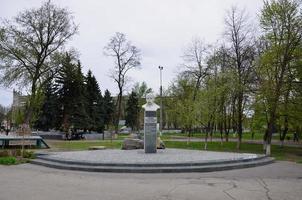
(214, 162)
(154, 168)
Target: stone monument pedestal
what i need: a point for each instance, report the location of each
(150, 122)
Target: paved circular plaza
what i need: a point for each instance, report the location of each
(136, 157)
(136, 161)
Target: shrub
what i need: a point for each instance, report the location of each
(16, 153)
(28, 154)
(8, 160)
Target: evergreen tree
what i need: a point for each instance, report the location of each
(108, 107)
(64, 92)
(94, 104)
(71, 92)
(49, 110)
(80, 116)
(132, 111)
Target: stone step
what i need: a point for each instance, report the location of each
(154, 169)
(215, 162)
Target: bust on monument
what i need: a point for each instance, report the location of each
(150, 105)
(151, 142)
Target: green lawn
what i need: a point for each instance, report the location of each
(245, 136)
(122, 136)
(280, 153)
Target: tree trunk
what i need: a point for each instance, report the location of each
(265, 139)
(206, 140)
(240, 116)
(119, 110)
(224, 124)
(234, 125)
(285, 130)
(28, 115)
(188, 135)
(211, 131)
(221, 132)
(208, 129)
(227, 129)
(270, 130)
(29, 112)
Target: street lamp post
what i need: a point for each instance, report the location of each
(161, 101)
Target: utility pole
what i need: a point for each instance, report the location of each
(161, 101)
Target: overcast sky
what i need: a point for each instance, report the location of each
(160, 28)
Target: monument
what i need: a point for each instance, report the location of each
(150, 124)
(170, 160)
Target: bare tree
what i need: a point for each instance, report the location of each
(194, 57)
(28, 45)
(240, 37)
(126, 57)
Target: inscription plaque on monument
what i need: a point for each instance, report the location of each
(150, 125)
(150, 133)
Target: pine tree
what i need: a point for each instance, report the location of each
(80, 117)
(132, 111)
(94, 104)
(108, 106)
(71, 93)
(49, 110)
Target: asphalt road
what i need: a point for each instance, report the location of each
(280, 180)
